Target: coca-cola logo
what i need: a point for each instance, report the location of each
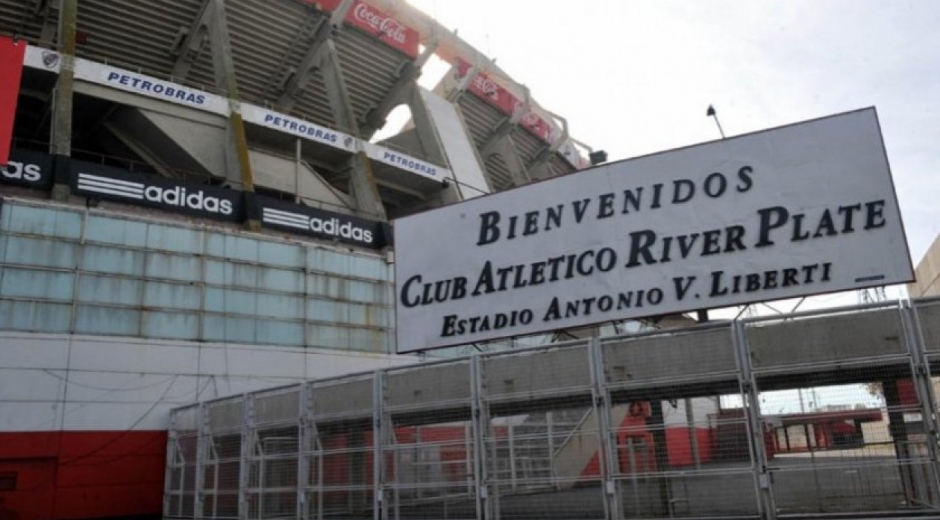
(385, 25)
(486, 85)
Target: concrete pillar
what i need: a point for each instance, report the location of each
(61, 138)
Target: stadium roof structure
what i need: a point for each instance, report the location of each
(293, 69)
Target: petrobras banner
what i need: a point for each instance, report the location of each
(378, 23)
(322, 224)
(43, 59)
(797, 210)
(298, 127)
(28, 169)
(405, 162)
(149, 86)
(12, 54)
(104, 182)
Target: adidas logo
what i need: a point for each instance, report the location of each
(177, 197)
(327, 226)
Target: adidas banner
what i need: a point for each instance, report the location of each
(103, 182)
(29, 169)
(323, 224)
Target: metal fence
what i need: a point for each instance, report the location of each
(824, 413)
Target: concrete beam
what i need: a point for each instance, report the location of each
(402, 91)
(61, 139)
(322, 33)
(507, 150)
(194, 42)
(505, 127)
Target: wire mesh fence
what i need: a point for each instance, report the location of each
(819, 414)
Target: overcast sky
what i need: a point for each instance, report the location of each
(635, 77)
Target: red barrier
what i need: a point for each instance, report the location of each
(12, 54)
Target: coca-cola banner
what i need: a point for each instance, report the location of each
(485, 88)
(11, 70)
(376, 22)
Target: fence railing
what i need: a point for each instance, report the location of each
(816, 414)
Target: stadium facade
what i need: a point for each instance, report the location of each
(195, 206)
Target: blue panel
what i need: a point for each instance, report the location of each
(278, 306)
(174, 238)
(174, 267)
(171, 325)
(275, 253)
(109, 289)
(111, 260)
(35, 316)
(221, 328)
(44, 221)
(280, 332)
(327, 261)
(115, 231)
(327, 311)
(106, 320)
(230, 301)
(172, 296)
(34, 252)
(29, 283)
(328, 337)
(281, 280)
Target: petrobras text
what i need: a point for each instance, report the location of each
(174, 92)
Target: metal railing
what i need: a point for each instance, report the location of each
(818, 414)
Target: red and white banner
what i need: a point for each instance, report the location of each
(378, 23)
(488, 90)
(12, 54)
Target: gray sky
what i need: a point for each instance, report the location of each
(635, 77)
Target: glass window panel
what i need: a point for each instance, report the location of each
(365, 291)
(47, 253)
(275, 253)
(328, 261)
(278, 306)
(109, 230)
(30, 283)
(174, 238)
(35, 316)
(111, 260)
(174, 267)
(91, 319)
(326, 286)
(222, 328)
(368, 340)
(369, 315)
(171, 325)
(281, 280)
(367, 267)
(44, 221)
(172, 295)
(328, 311)
(231, 301)
(280, 332)
(328, 337)
(109, 289)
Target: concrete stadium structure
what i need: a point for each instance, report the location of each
(196, 207)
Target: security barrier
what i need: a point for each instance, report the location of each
(822, 413)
